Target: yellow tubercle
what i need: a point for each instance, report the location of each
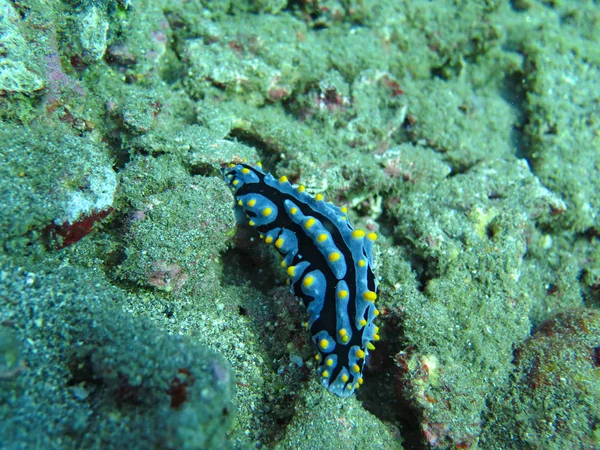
(251, 203)
(239, 203)
(323, 343)
(283, 179)
(361, 263)
(325, 374)
(308, 280)
(344, 209)
(259, 164)
(372, 236)
(355, 368)
(235, 182)
(334, 256)
(345, 378)
(343, 294)
(370, 346)
(376, 337)
(362, 322)
(290, 270)
(322, 237)
(329, 362)
(301, 188)
(345, 339)
(309, 223)
(283, 263)
(293, 211)
(342, 332)
(245, 171)
(358, 234)
(251, 223)
(267, 211)
(279, 243)
(360, 353)
(370, 296)
(319, 197)
(269, 239)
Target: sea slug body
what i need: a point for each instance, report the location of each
(330, 265)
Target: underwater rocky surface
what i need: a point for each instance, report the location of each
(134, 310)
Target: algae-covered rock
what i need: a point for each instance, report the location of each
(19, 67)
(93, 31)
(93, 377)
(562, 73)
(463, 133)
(554, 399)
(52, 181)
(252, 60)
(326, 422)
(176, 235)
(469, 305)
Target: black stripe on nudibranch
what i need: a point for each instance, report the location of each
(330, 265)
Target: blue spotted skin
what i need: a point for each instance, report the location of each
(330, 267)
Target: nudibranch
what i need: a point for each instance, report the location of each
(329, 264)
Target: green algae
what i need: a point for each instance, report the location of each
(177, 218)
(563, 116)
(21, 77)
(555, 390)
(328, 422)
(417, 115)
(473, 303)
(50, 177)
(92, 377)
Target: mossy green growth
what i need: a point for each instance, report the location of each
(563, 130)
(250, 59)
(557, 269)
(95, 377)
(21, 74)
(468, 236)
(177, 232)
(463, 123)
(325, 421)
(49, 177)
(553, 401)
(409, 112)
